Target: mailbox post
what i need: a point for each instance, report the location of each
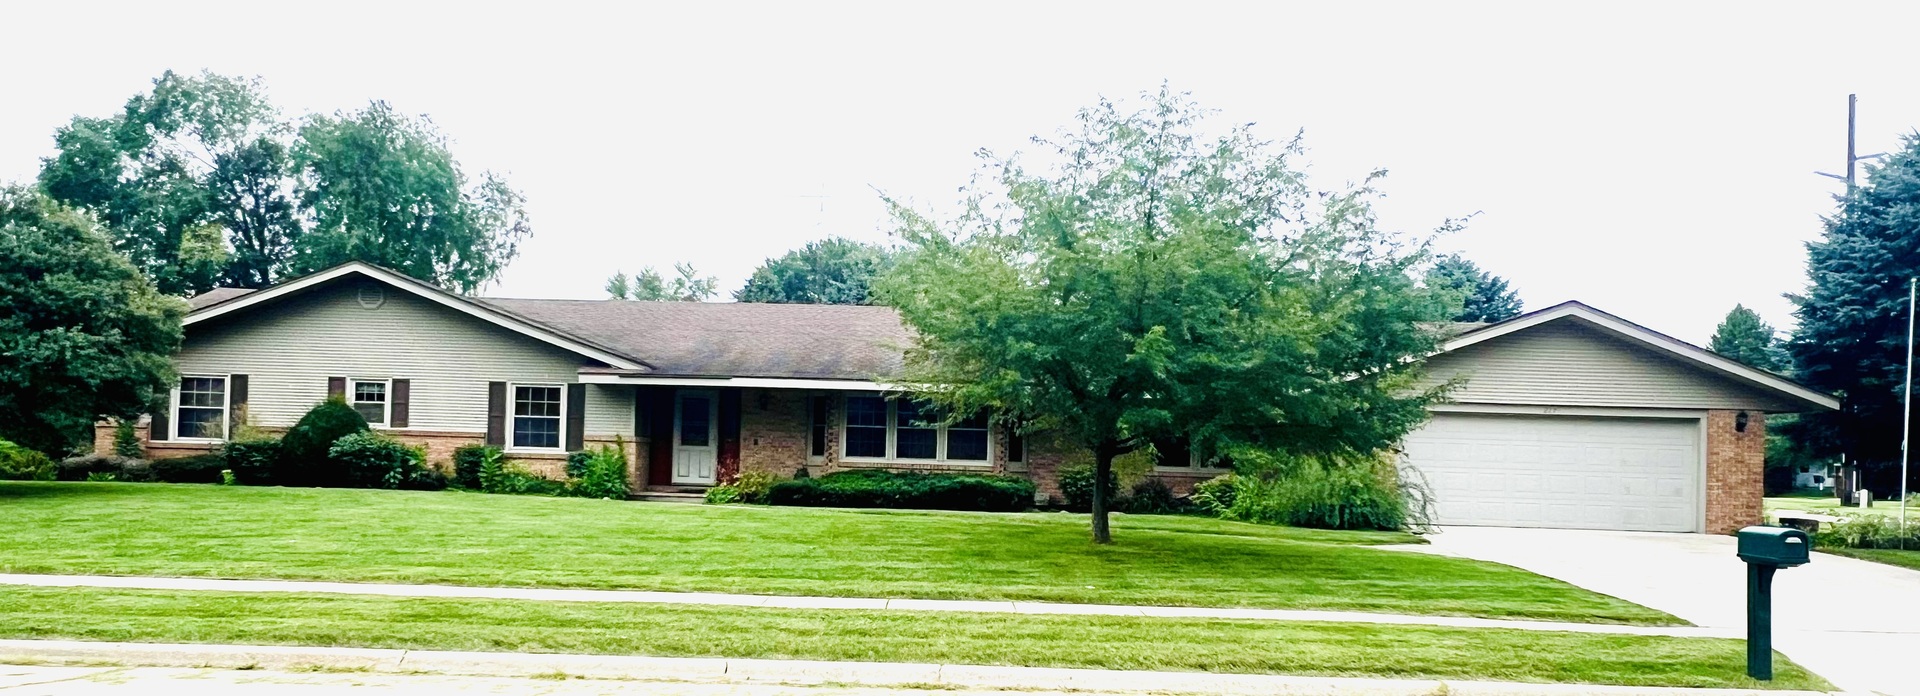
(1766, 549)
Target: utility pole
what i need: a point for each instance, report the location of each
(1853, 160)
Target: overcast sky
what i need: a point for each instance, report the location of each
(1654, 160)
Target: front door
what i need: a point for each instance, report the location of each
(696, 450)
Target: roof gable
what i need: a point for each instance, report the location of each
(1646, 343)
(241, 303)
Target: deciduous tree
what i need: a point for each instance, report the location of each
(829, 271)
(1149, 280)
(83, 335)
(648, 285)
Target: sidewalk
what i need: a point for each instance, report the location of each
(76, 668)
(743, 600)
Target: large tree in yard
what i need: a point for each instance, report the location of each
(83, 335)
(1745, 337)
(829, 271)
(1852, 333)
(1149, 281)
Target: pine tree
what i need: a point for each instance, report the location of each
(1481, 296)
(1745, 337)
(1852, 330)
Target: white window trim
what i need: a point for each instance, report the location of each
(812, 423)
(386, 407)
(893, 427)
(512, 389)
(226, 407)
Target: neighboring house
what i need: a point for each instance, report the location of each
(1567, 417)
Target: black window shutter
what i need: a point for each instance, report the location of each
(236, 392)
(497, 413)
(160, 428)
(402, 403)
(336, 387)
(576, 417)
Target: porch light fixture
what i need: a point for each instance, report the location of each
(1740, 422)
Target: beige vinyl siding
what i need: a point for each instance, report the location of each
(610, 410)
(290, 348)
(1569, 363)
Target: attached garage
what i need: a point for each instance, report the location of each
(1568, 472)
(1573, 418)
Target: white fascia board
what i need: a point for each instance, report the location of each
(1657, 341)
(755, 382)
(437, 296)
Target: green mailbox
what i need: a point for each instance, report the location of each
(1780, 547)
(1766, 549)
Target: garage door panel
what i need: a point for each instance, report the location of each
(1556, 471)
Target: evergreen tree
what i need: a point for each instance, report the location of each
(1852, 334)
(1480, 296)
(1745, 337)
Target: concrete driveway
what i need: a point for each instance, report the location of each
(1853, 622)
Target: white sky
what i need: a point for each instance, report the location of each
(1652, 159)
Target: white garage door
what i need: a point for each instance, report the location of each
(1562, 472)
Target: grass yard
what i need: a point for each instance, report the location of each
(1829, 505)
(1905, 558)
(492, 540)
(887, 636)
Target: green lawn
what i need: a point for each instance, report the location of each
(476, 539)
(1303, 648)
(1829, 505)
(1905, 558)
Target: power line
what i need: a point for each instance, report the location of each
(1853, 160)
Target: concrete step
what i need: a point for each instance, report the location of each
(680, 495)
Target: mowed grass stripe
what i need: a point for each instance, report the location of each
(493, 540)
(1330, 649)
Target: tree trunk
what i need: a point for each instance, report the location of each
(1102, 470)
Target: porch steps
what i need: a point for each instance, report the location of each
(670, 494)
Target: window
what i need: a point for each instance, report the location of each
(696, 420)
(866, 427)
(902, 429)
(200, 408)
(370, 399)
(817, 426)
(1016, 444)
(537, 415)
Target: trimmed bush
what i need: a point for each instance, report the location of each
(602, 475)
(723, 494)
(21, 464)
(884, 489)
(126, 440)
(1076, 488)
(372, 460)
(466, 464)
(754, 485)
(200, 468)
(304, 450)
(254, 462)
(1154, 497)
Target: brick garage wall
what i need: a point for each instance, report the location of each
(773, 430)
(1736, 462)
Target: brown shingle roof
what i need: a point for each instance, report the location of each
(733, 339)
(215, 296)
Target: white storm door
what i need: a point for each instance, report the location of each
(696, 446)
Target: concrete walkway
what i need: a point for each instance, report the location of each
(1854, 622)
(742, 600)
(99, 669)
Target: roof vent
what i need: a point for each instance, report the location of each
(372, 296)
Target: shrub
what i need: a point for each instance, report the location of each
(1076, 488)
(723, 494)
(126, 441)
(21, 464)
(602, 475)
(1329, 492)
(883, 489)
(254, 462)
(514, 479)
(103, 476)
(1154, 497)
(199, 468)
(753, 485)
(304, 450)
(1866, 532)
(466, 464)
(1214, 496)
(123, 468)
(577, 463)
(372, 460)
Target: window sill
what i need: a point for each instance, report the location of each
(1189, 471)
(877, 463)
